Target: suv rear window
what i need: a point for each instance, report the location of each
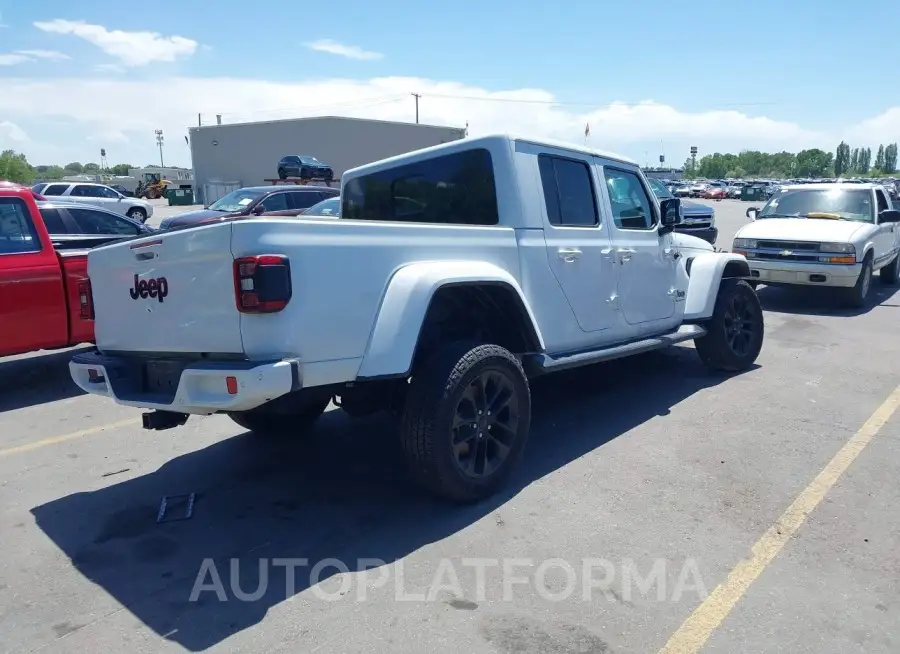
(453, 189)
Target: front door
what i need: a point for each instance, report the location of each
(578, 244)
(646, 261)
(888, 236)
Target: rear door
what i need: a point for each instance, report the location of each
(91, 221)
(303, 200)
(33, 312)
(172, 292)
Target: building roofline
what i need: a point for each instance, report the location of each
(312, 118)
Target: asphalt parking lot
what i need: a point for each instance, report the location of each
(658, 506)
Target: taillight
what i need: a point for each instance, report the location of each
(262, 284)
(85, 299)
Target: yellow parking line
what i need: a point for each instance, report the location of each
(699, 626)
(27, 447)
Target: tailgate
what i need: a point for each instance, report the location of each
(168, 292)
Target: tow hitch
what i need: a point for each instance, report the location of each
(163, 419)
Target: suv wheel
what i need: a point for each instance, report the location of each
(734, 334)
(137, 214)
(295, 423)
(282, 173)
(466, 420)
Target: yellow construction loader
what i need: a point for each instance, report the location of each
(151, 187)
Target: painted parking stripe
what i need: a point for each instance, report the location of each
(27, 447)
(700, 625)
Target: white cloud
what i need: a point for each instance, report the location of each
(13, 59)
(109, 68)
(51, 55)
(125, 112)
(883, 128)
(348, 51)
(11, 134)
(131, 48)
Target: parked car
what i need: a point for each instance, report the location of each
(716, 191)
(99, 195)
(330, 207)
(437, 317)
(255, 201)
(834, 235)
(305, 167)
(682, 191)
(121, 189)
(87, 226)
(697, 219)
(44, 301)
(698, 189)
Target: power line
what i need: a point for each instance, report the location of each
(480, 98)
(357, 103)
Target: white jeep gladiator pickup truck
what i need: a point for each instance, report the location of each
(454, 275)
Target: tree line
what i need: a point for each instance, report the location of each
(14, 167)
(815, 163)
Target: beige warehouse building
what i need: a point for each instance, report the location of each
(229, 156)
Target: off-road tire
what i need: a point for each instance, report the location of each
(138, 214)
(890, 274)
(295, 424)
(857, 296)
(435, 391)
(715, 349)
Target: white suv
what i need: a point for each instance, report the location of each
(98, 195)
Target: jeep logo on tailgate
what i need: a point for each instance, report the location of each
(144, 288)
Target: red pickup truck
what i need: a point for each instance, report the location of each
(45, 299)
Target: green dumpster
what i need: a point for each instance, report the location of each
(179, 197)
(754, 193)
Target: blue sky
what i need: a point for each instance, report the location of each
(768, 76)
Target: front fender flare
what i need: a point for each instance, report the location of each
(707, 271)
(394, 336)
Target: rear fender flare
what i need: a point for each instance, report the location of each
(398, 323)
(706, 274)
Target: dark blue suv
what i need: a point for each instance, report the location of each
(305, 167)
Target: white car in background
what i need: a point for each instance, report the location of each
(833, 235)
(98, 195)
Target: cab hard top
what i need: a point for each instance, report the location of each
(496, 144)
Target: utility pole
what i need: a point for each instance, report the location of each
(159, 142)
(199, 120)
(417, 96)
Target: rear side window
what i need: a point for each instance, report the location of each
(55, 189)
(17, 232)
(631, 205)
(455, 189)
(53, 222)
(304, 200)
(882, 200)
(90, 221)
(568, 192)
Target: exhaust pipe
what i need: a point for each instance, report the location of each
(159, 420)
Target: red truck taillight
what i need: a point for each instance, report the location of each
(85, 299)
(262, 284)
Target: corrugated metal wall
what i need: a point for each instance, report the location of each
(248, 153)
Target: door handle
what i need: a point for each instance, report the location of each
(568, 255)
(625, 254)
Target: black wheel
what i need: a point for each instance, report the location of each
(295, 423)
(735, 332)
(891, 272)
(138, 214)
(282, 173)
(466, 420)
(856, 297)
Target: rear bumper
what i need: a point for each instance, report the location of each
(192, 387)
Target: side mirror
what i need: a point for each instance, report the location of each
(670, 214)
(258, 210)
(889, 216)
(752, 212)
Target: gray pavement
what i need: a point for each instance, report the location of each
(639, 467)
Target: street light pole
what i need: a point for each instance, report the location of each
(159, 142)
